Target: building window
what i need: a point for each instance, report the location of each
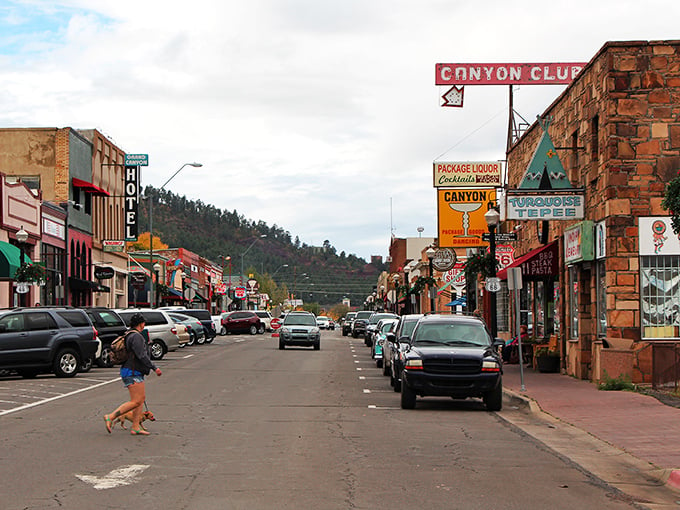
(660, 296)
(601, 275)
(573, 302)
(503, 307)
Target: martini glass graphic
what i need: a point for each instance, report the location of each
(466, 209)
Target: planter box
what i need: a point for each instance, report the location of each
(548, 364)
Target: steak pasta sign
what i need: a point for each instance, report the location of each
(467, 174)
(507, 74)
(545, 207)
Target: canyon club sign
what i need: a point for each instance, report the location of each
(507, 74)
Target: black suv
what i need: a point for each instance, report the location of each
(36, 340)
(206, 319)
(452, 356)
(360, 322)
(393, 351)
(347, 323)
(109, 326)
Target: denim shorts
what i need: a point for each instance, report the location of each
(130, 376)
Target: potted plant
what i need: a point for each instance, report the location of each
(29, 273)
(547, 360)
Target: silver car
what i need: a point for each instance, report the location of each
(300, 328)
(161, 328)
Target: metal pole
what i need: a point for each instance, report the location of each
(432, 289)
(151, 289)
(519, 340)
(492, 298)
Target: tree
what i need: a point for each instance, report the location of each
(671, 202)
(143, 243)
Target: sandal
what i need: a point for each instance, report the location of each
(107, 421)
(139, 432)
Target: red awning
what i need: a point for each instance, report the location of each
(540, 263)
(90, 188)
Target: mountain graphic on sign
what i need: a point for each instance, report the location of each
(545, 171)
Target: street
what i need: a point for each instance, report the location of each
(241, 424)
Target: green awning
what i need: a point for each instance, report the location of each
(10, 259)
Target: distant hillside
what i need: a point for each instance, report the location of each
(316, 274)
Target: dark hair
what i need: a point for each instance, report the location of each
(136, 320)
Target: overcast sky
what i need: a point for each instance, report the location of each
(319, 116)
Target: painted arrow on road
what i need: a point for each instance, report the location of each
(121, 476)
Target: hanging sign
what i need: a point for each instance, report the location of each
(657, 237)
(545, 206)
(578, 243)
(460, 214)
(507, 74)
(450, 174)
(131, 202)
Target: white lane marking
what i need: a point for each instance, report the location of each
(188, 356)
(367, 390)
(362, 377)
(359, 369)
(121, 476)
(372, 407)
(44, 401)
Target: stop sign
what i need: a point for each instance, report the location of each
(276, 323)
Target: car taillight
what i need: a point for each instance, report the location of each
(95, 332)
(174, 330)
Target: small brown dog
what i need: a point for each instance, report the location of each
(146, 415)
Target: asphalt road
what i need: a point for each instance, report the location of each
(241, 424)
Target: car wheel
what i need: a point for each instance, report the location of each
(260, 330)
(282, 345)
(344, 333)
(386, 368)
(379, 363)
(157, 350)
(104, 360)
(192, 338)
(408, 397)
(317, 345)
(354, 335)
(493, 400)
(209, 339)
(67, 363)
(396, 385)
(253, 329)
(223, 331)
(200, 340)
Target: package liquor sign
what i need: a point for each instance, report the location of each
(467, 174)
(507, 74)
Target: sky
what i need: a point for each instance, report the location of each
(319, 116)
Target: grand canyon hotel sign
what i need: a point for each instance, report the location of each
(507, 74)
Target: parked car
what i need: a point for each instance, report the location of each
(323, 322)
(46, 339)
(347, 323)
(217, 323)
(359, 323)
(377, 349)
(266, 318)
(373, 322)
(393, 350)
(194, 326)
(242, 321)
(109, 326)
(300, 328)
(453, 356)
(206, 319)
(160, 327)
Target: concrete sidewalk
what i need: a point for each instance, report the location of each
(637, 424)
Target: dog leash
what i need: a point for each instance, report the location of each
(146, 408)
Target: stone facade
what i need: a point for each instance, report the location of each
(617, 132)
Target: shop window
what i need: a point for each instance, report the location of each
(601, 275)
(503, 307)
(660, 296)
(573, 302)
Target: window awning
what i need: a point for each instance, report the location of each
(538, 264)
(89, 187)
(174, 292)
(10, 259)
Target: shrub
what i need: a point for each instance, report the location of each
(620, 383)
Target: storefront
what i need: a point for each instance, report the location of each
(53, 255)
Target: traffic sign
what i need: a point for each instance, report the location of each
(493, 284)
(275, 323)
(501, 237)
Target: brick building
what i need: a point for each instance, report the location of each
(614, 292)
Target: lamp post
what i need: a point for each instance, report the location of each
(492, 218)
(277, 270)
(196, 165)
(22, 237)
(430, 255)
(395, 280)
(247, 250)
(157, 270)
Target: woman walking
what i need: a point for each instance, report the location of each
(132, 372)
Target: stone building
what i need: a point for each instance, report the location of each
(612, 296)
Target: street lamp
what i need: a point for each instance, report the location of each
(280, 267)
(492, 218)
(22, 237)
(396, 279)
(157, 270)
(262, 236)
(430, 255)
(196, 165)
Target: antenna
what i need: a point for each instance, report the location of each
(391, 224)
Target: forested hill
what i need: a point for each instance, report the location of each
(317, 274)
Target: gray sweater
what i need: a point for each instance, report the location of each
(138, 353)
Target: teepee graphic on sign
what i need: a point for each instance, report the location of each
(545, 171)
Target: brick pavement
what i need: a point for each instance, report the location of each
(637, 424)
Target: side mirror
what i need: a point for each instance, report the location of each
(404, 340)
(390, 337)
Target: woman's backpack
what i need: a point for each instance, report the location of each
(119, 352)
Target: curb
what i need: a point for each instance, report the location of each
(522, 401)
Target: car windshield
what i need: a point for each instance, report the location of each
(386, 327)
(300, 320)
(451, 333)
(376, 317)
(407, 327)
